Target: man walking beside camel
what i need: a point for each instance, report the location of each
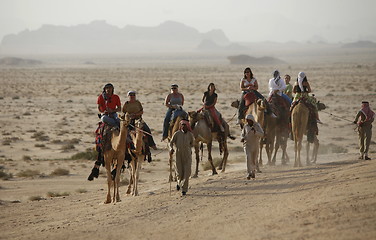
(183, 139)
(251, 134)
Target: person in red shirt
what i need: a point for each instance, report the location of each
(108, 105)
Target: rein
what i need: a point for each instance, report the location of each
(341, 118)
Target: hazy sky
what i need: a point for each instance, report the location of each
(241, 20)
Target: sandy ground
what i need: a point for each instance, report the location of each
(48, 114)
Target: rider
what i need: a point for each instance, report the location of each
(108, 105)
(249, 84)
(288, 89)
(173, 101)
(301, 90)
(210, 99)
(277, 86)
(134, 108)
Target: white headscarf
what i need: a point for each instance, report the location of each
(301, 77)
(250, 117)
(276, 76)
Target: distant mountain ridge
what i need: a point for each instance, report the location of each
(100, 37)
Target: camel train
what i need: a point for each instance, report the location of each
(276, 136)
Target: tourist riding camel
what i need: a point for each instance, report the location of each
(248, 84)
(301, 90)
(135, 110)
(288, 89)
(108, 106)
(174, 102)
(210, 99)
(251, 134)
(364, 119)
(277, 86)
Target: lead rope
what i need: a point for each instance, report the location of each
(341, 118)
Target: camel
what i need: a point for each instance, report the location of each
(299, 119)
(114, 155)
(203, 134)
(138, 157)
(281, 133)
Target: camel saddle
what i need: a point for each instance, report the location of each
(249, 98)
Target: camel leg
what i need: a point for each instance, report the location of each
(307, 159)
(225, 156)
(197, 153)
(296, 151)
(131, 177)
(276, 148)
(108, 160)
(285, 156)
(315, 150)
(299, 151)
(117, 178)
(137, 175)
(259, 162)
(209, 145)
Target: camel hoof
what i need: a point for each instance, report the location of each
(195, 176)
(214, 173)
(223, 170)
(219, 168)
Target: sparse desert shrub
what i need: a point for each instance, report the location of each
(39, 145)
(56, 194)
(60, 172)
(90, 154)
(81, 190)
(16, 97)
(73, 141)
(26, 158)
(4, 175)
(67, 147)
(6, 142)
(27, 114)
(36, 198)
(40, 136)
(28, 173)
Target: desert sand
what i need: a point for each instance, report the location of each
(48, 114)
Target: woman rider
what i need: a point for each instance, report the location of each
(210, 99)
(173, 102)
(301, 90)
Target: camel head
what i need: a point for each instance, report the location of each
(235, 104)
(320, 106)
(124, 119)
(261, 105)
(139, 123)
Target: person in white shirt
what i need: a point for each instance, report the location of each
(277, 85)
(251, 134)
